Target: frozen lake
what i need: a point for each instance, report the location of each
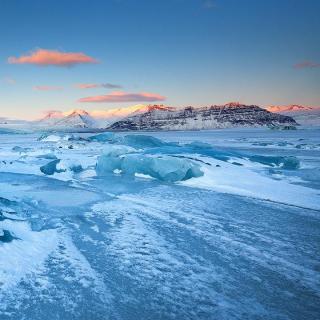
(218, 224)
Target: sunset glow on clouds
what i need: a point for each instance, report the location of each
(97, 85)
(119, 96)
(306, 64)
(104, 53)
(43, 57)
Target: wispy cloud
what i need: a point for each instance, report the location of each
(208, 4)
(97, 85)
(43, 57)
(306, 64)
(47, 88)
(9, 80)
(119, 96)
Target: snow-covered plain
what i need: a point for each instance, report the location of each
(218, 224)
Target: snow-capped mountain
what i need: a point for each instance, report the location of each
(73, 119)
(160, 117)
(289, 108)
(77, 119)
(225, 116)
(117, 113)
(50, 117)
(304, 115)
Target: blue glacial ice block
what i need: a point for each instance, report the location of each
(6, 236)
(102, 137)
(164, 168)
(57, 166)
(287, 163)
(49, 156)
(112, 158)
(142, 141)
(50, 168)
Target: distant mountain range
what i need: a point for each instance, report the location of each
(82, 119)
(160, 117)
(289, 108)
(304, 115)
(74, 119)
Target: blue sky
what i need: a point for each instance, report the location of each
(192, 52)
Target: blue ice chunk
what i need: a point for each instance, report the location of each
(6, 236)
(207, 150)
(107, 164)
(199, 145)
(112, 158)
(76, 168)
(51, 168)
(117, 150)
(49, 156)
(55, 137)
(288, 163)
(164, 168)
(103, 137)
(142, 141)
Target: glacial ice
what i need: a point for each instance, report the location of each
(240, 239)
(50, 168)
(58, 166)
(102, 137)
(49, 156)
(6, 236)
(164, 168)
(56, 137)
(141, 141)
(287, 163)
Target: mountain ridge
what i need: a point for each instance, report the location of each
(162, 117)
(304, 115)
(213, 117)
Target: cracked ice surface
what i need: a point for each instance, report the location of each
(238, 241)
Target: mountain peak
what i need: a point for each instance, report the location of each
(52, 114)
(233, 104)
(289, 108)
(75, 112)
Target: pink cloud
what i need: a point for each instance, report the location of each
(119, 96)
(44, 57)
(47, 88)
(306, 64)
(97, 85)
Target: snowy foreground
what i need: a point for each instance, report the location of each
(180, 225)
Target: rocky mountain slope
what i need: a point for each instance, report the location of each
(225, 116)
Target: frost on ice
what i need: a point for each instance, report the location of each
(228, 228)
